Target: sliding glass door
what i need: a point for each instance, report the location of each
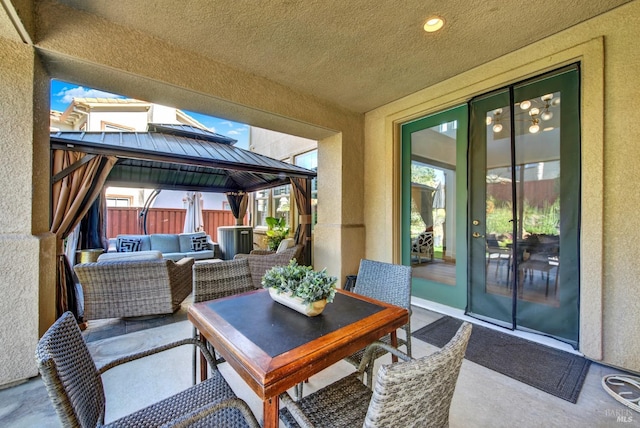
(523, 224)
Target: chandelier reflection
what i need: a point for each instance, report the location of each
(535, 113)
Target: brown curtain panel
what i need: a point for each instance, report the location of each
(302, 191)
(238, 202)
(72, 197)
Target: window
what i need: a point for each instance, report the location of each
(114, 127)
(119, 201)
(274, 202)
(278, 202)
(309, 160)
(448, 127)
(261, 207)
(282, 203)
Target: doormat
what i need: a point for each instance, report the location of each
(553, 371)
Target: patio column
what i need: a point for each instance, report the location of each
(27, 249)
(339, 235)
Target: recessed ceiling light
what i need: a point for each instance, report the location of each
(433, 24)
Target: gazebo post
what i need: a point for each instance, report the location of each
(307, 223)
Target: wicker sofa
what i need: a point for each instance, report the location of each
(132, 288)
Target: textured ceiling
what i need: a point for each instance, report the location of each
(7, 28)
(359, 54)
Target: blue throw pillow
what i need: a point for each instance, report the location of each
(127, 245)
(199, 243)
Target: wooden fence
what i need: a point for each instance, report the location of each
(537, 193)
(163, 220)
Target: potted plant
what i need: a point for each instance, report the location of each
(300, 287)
(277, 230)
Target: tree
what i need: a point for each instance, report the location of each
(423, 174)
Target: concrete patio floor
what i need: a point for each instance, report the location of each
(483, 398)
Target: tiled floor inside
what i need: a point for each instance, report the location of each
(483, 398)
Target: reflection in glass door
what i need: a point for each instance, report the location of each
(433, 247)
(524, 206)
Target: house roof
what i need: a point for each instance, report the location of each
(179, 160)
(79, 108)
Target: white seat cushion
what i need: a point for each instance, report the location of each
(136, 255)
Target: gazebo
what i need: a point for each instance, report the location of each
(167, 156)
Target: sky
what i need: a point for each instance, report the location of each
(62, 93)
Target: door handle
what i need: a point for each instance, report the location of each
(477, 235)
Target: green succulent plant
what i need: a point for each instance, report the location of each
(301, 281)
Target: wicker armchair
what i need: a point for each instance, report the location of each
(215, 280)
(261, 261)
(117, 289)
(75, 387)
(389, 283)
(413, 392)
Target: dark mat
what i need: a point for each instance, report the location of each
(553, 371)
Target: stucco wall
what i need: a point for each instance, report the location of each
(278, 145)
(610, 300)
(137, 121)
(26, 249)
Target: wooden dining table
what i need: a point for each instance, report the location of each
(273, 347)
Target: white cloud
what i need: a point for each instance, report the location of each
(79, 92)
(226, 122)
(233, 133)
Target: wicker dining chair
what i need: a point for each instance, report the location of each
(389, 283)
(213, 280)
(412, 392)
(75, 387)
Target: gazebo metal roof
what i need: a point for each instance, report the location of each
(190, 132)
(176, 159)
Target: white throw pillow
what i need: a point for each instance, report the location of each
(284, 244)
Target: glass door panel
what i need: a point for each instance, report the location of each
(433, 226)
(525, 212)
(433, 164)
(491, 210)
(547, 188)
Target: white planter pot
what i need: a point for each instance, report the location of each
(295, 303)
